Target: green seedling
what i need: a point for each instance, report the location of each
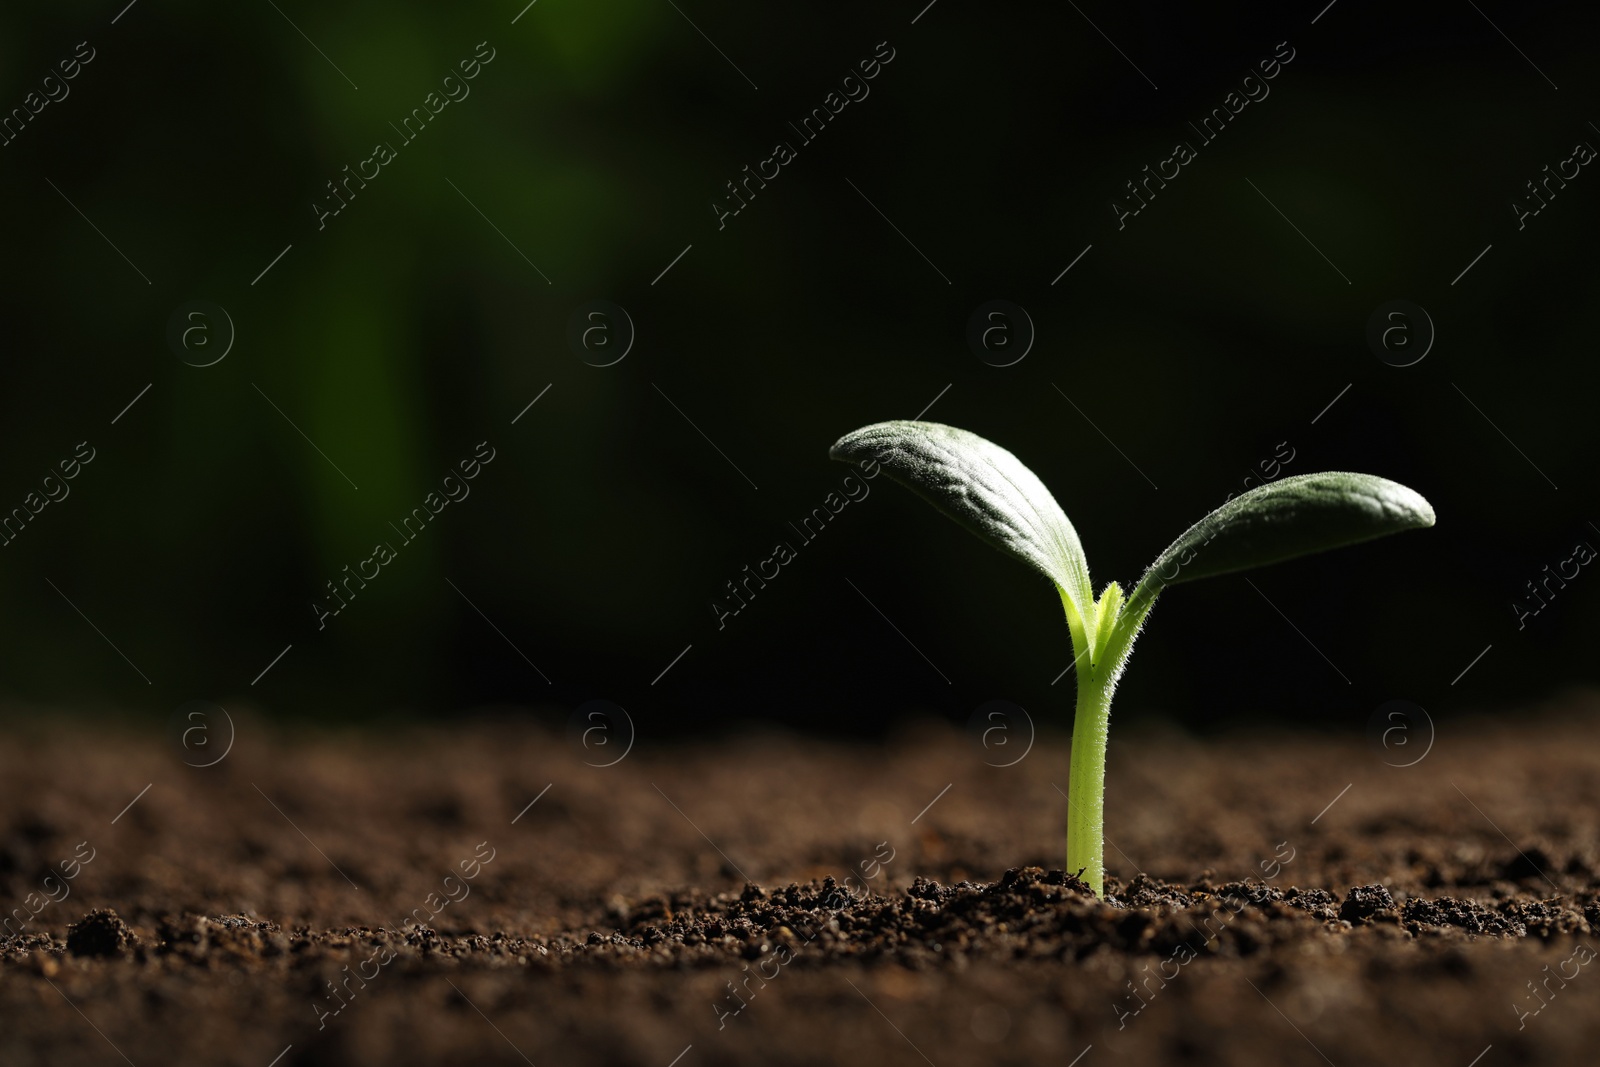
(988, 490)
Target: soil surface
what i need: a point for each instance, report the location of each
(1276, 899)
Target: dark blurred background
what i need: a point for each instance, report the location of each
(378, 351)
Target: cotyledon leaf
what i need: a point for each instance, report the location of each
(1291, 517)
(984, 488)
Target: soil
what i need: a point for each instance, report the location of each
(1275, 899)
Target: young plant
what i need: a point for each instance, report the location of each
(988, 490)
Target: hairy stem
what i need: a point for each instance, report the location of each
(1091, 727)
(1086, 789)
